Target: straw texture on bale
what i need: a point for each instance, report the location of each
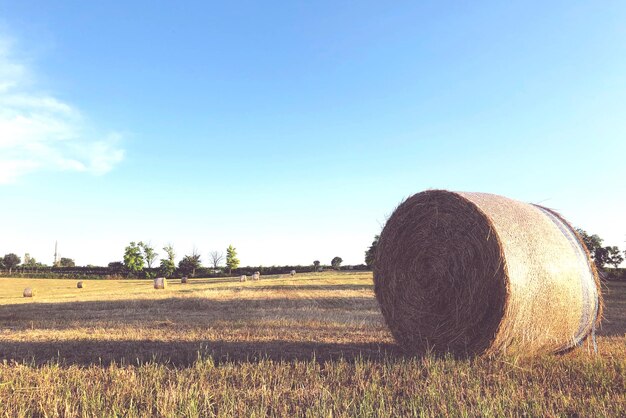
(160, 283)
(80, 285)
(29, 292)
(476, 273)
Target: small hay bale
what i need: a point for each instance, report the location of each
(243, 278)
(292, 273)
(256, 275)
(183, 280)
(160, 283)
(80, 285)
(29, 292)
(476, 273)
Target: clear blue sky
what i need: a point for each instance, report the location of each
(292, 129)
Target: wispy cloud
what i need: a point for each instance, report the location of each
(39, 132)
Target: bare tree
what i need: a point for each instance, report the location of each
(215, 258)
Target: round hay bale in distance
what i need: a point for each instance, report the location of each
(243, 278)
(256, 275)
(292, 273)
(476, 273)
(160, 283)
(80, 285)
(29, 292)
(183, 280)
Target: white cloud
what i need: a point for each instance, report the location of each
(39, 132)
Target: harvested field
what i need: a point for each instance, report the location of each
(313, 344)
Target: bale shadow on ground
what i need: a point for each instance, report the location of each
(184, 353)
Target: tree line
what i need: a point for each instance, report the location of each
(140, 260)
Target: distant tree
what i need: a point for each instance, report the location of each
(216, 258)
(148, 253)
(614, 256)
(133, 258)
(190, 263)
(167, 264)
(10, 261)
(370, 254)
(601, 256)
(232, 262)
(30, 261)
(66, 262)
(336, 263)
(594, 245)
(316, 265)
(116, 267)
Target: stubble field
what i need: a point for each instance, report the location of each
(311, 345)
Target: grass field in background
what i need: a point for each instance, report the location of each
(314, 345)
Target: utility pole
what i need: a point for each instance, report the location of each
(56, 258)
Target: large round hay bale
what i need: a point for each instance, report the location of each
(183, 280)
(292, 273)
(256, 275)
(29, 292)
(476, 273)
(160, 283)
(243, 278)
(80, 285)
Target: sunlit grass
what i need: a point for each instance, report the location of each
(312, 345)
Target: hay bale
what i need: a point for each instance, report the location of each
(29, 292)
(183, 280)
(476, 273)
(256, 275)
(80, 285)
(243, 278)
(292, 273)
(160, 283)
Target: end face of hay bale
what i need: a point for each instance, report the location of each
(80, 285)
(292, 273)
(160, 283)
(439, 281)
(183, 280)
(28, 292)
(472, 273)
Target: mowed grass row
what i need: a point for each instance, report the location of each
(313, 345)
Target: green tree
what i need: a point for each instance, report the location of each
(66, 262)
(594, 245)
(10, 261)
(148, 253)
(601, 256)
(232, 262)
(190, 263)
(336, 263)
(167, 264)
(30, 262)
(316, 265)
(133, 258)
(117, 267)
(614, 256)
(370, 254)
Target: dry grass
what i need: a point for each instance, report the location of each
(311, 345)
